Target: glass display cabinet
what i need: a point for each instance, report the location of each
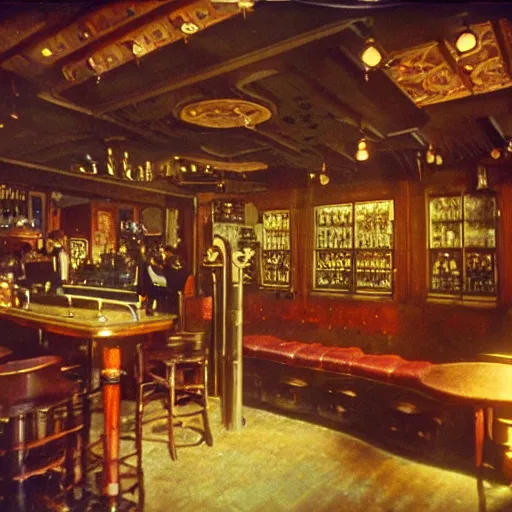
(354, 247)
(276, 249)
(462, 245)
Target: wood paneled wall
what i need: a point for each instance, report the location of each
(408, 324)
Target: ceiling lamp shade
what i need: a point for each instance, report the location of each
(362, 151)
(324, 177)
(466, 41)
(371, 55)
(430, 156)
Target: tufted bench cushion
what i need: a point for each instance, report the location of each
(352, 360)
(408, 373)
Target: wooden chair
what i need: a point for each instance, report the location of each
(42, 427)
(178, 370)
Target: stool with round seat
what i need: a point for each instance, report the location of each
(178, 369)
(41, 418)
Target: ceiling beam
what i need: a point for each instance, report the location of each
(230, 65)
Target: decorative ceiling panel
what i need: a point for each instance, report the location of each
(137, 43)
(437, 72)
(425, 76)
(484, 65)
(77, 35)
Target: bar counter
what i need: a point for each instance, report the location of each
(95, 326)
(87, 323)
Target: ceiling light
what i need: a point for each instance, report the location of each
(466, 41)
(14, 114)
(1, 125)
(430, 156)
(481, 175)
(362, 151)
(371, 55)
(439, 160)
(137, 49)
(323, 177)
(189, 28)
(46, 52)
(495, 154)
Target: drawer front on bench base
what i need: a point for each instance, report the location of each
(394, 416)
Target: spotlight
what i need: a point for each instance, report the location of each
(466, 41)
(439, 160)
(362, 151)
(1, 125)
(371, 55)
(221, 187)
(509, 146)
(46, 52)
(14, 114)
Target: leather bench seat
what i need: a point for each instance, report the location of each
(352, 360)
(408, 373)
(340, 359)
(257, 344)
(379, 367)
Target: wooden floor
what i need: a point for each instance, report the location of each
(281, 464)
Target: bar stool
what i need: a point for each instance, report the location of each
(179, 370)
(42, 426)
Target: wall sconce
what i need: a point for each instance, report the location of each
(362, 151)
(466, 41)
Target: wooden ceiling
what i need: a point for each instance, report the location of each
(273, 92)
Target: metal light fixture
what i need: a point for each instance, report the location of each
(14, 113)
(466, 41)
(430, 156)
(371, 56)
(189, 28)
(323, 177)
(481, 175)
(495, 153)
(362, 151)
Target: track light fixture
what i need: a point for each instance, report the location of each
(362, 151)
(466, 41)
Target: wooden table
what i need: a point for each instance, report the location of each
(92, 326)
(479, 384)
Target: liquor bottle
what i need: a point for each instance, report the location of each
(127, 167)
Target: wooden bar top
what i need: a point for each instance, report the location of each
(87, 323)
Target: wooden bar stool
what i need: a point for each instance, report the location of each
(41, 417)
(177, 370)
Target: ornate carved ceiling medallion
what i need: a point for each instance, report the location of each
(225, 113)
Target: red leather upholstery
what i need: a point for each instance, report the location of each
(340, 359)
(408, 373)
(256, 344)
(310, 355)
(376, 366)
(352, 360)
(283, 352)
